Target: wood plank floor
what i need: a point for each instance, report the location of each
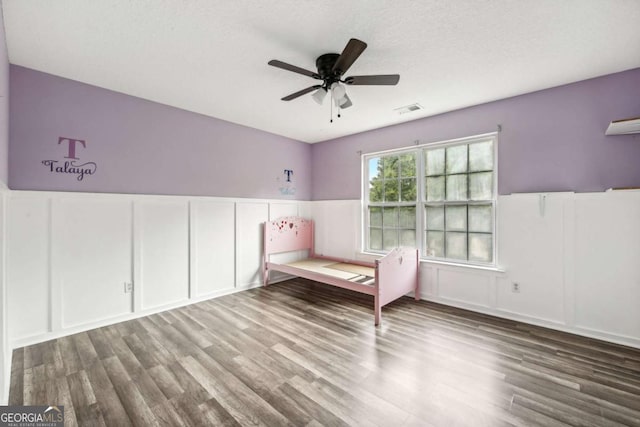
(304, 354)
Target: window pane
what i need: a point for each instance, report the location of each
(435, 217)
(376, 184)
(408, 165)
(456, 218)
(389, 239)
(375, 168)
(480, 247)
(390, 217)
(457, 159)
(390, 166)
(481, 186)
(434, 162)
(376, 191)
(375, 217)
(408, 238)
(391, 190)
(375, 239)
(435, 189)
(456, 187)
(481, 218)
(407, 217)
(408, 190)
(435, 244)
(481, 156)
(456, 245)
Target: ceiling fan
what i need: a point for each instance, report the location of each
(331, 67)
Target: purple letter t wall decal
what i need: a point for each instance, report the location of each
(72, 146)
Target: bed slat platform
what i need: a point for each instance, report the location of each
(387, 279)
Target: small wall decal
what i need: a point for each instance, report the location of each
(287, 187)
(71, 166)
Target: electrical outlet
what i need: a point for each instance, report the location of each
(128, 288)
(515, 287)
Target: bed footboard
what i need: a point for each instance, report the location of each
(396, 276)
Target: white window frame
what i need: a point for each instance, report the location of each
(421, 201)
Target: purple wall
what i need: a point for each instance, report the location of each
(551, 140)
(4, 106)
(140, 146)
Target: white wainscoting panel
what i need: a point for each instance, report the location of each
(5, 351)
(427, 281)
(607, 293)
(337, 228)
(213, 247)
(250, 217)
(467, 287)
(163, 244)
(27, 263)
(530, 229)
(91, 260)
(280, 209)
(305, 209)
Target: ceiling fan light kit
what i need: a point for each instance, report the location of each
(319, 95)
(331, 67)
(338, 93)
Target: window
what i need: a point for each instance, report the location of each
(446, 190)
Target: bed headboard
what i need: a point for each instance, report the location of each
(290, 233)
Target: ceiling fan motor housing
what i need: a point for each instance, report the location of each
(325, 64)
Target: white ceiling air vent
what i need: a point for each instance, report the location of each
(624, 127)
(408, 108)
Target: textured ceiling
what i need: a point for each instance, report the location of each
(211, 56)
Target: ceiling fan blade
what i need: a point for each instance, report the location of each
(289, 67)
(351, 52)
(301, 92)
(383, 79)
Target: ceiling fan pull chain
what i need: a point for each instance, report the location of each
(330, 112)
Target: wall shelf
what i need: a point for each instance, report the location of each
(624, 127)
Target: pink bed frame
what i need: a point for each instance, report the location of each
(396, 273)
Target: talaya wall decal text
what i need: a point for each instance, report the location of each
(287, 187)
(72, 165)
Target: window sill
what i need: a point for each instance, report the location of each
(493, 269)
(370, 256)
